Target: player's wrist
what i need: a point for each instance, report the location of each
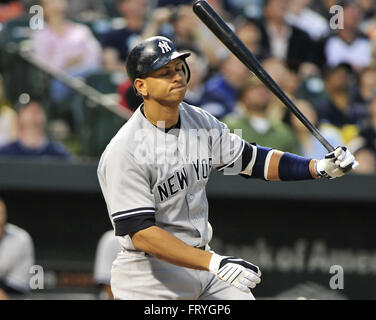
(313, 169)
(214, 263)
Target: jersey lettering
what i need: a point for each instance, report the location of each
(182, 178)
(171, 186)
(203, 169)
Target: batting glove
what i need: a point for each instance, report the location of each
(237, 272)
(336, 163)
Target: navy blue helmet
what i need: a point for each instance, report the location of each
(152, 54)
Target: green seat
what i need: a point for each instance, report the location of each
(16, 30)
(105, 82)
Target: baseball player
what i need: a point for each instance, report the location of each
(153, 175)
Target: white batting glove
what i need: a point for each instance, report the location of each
(336, 163)
(237, 272)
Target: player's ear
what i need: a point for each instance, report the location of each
(141, 86)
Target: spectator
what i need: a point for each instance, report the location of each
(185, 24)
(65, 46)
(255, 124)
(339, 108)
(374, 52)
(32, 140)
(347, 45)
(222, 89)
(286, 79)
(213, 49)
(309, 146)
(249, 33)
(86, 10)
(244, 8)
(367, 133)
(282, 40)
(8, 119)
(367, 86)
(118, 42)
(322, 7)
(368, 8)
(367, 161)
(195, 94)
(79, 11)
(180, 23)
(107, 250)
(16, 257)
(368, 27)
(303, 17)
(8, 125)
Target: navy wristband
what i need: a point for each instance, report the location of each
(293, 167)
(259, 166)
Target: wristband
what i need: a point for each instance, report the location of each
(293, 167)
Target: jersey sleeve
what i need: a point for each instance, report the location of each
(231, 153)
(126, 187)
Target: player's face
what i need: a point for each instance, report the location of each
(166, 85)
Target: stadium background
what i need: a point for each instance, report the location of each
(294, 231)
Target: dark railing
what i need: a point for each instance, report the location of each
(100, 114)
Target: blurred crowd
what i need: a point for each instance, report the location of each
(323, 60)
(321, 53)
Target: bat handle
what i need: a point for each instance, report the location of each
(315, 132)
(322, 140)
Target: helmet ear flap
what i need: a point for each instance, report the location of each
(186, 70)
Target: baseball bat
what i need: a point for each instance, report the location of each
(224, 33)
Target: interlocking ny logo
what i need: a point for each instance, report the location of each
(164, 46)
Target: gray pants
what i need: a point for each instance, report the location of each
(136, 276)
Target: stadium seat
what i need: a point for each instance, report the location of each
(16, 30)
(105, 82)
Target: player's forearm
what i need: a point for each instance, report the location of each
(163, 245)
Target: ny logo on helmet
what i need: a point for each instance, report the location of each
(164, 46)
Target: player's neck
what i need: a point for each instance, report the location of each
(169, 115)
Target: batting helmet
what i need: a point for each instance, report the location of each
(152, 54)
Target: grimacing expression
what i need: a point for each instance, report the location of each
(165, 85)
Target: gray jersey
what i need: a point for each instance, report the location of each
(107, 250)
(145, 170)
(16, 258)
